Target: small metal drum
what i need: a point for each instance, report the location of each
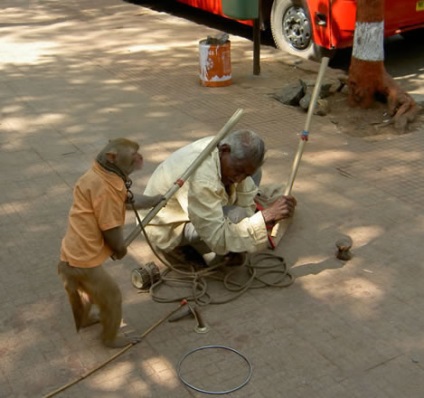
(145, 276)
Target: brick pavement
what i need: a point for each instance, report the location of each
(73, 75)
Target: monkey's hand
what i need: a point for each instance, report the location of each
(146, 202)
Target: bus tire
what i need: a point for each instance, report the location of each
(292, 30)
(413, 35)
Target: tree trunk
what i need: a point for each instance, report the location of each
(368, 78)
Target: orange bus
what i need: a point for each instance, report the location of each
(312, 28)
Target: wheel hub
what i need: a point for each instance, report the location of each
(297, 28)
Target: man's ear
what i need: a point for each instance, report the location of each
(111, 157)
(224, 148)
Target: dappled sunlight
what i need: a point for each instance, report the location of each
(161, 366)
(365, 235)
(360, 288)
(399, 168)
(37, 228)
(12, 109)
(414, 344)
(91, 69)
(158, 154)
(112, 377)
(359, 295)
(354, 287)
(48, 118)
(81, 80)
(310, 260)
(21, 47)
(21, 123)
(308, 186)
(76, 74)
(275, 154)
(14, 343)
(154, 47)
(14, 207)
(412, 81)
(328, 157)
(319, 192)
(25, 53)
(23, 329)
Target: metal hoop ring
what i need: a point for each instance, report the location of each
(215, 392)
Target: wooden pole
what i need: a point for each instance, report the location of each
(119, 353)
(281, 227)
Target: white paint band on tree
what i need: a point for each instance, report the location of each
(368, 41)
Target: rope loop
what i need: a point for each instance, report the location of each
(258, 271)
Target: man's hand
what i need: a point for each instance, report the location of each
(282, 208)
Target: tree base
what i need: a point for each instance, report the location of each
(369, 80)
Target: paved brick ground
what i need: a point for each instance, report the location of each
(74, 74)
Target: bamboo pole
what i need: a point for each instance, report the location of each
(281, 227)
(119, 353)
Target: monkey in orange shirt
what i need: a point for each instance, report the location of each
(95, 232)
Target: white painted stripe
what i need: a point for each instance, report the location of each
(368, 41)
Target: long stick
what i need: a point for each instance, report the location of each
(179, 183)
(305, 131)
(119, 353)
(280, 228)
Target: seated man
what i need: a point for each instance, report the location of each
(214, 211)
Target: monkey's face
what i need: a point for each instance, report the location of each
(130, 161)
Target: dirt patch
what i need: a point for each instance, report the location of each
(370, 122)
(373, 123)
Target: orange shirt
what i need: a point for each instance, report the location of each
(99, 205)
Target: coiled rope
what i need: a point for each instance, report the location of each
(255, 272)
(252, 274)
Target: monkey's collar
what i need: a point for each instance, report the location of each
(127, 181)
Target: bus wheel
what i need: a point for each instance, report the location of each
(413, 35)
(292, 30)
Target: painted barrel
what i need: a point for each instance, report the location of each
(215, 64)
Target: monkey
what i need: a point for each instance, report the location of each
(95, 233)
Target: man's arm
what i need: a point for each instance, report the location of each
(114, 238)
(205, 201)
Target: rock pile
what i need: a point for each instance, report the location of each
(300, 93)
